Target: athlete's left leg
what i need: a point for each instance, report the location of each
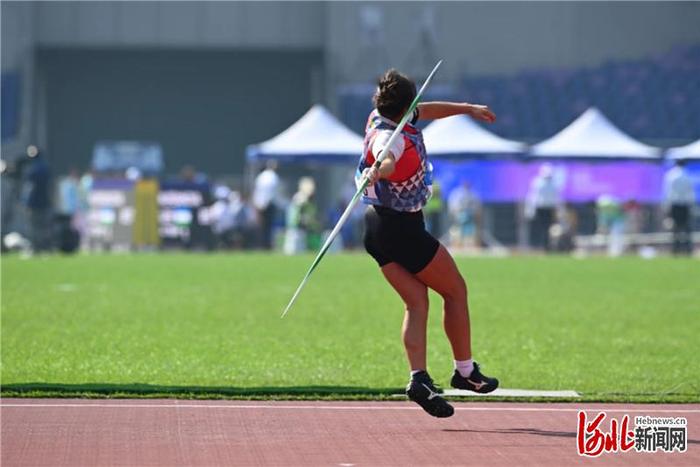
(415, 297)
(414, 293)
(442, 275)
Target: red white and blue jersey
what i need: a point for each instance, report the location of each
(409, 187)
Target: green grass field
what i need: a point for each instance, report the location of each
(191, 325)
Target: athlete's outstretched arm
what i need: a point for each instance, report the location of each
(435, 110)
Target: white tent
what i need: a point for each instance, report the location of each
(460, 136)
(689, 151)
(593, 136)
(316, 137)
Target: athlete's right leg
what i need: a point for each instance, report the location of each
(415, 297)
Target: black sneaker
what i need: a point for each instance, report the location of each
(421, 391)
(475, 382)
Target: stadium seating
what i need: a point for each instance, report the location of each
(654, 100)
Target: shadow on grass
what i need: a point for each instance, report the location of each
(141, 389)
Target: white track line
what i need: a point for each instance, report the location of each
(346, 407)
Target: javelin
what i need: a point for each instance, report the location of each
(363, 185)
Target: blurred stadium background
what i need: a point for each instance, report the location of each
(156, 109)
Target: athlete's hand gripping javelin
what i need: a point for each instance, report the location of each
(386, 168)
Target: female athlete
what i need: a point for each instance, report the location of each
(410, 258)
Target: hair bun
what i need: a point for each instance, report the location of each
(394, 93)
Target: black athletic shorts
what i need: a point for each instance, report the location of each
(398, 237)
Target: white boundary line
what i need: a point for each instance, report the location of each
(346, 407)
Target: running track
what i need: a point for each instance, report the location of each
(74, 432)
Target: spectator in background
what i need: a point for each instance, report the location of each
(610, 219)
(38, 179)
(679, 198)
(67, 219)
(563, 233)
(264, 199)
(221, 219)
(69, 195)
(433, 211)
(543, 201)
(233, 219)
(463, 209)
(246, 220)
(6, 187)
(82, 219)
(302, 219)
(11, 186)
(634, 222)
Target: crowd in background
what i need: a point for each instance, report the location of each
(297, 224)
(53, 215)
(50, 215)
(553, 224)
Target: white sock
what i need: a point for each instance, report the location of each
(414, 372)
(465, 367)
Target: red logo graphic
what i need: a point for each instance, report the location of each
(592, 442)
